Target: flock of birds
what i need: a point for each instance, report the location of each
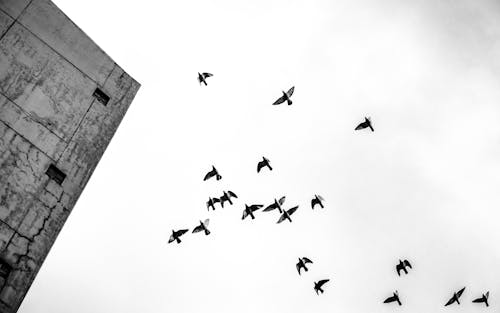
(285, 214)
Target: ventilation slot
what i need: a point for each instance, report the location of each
(55, 174)
(5, 270)
(101, 96)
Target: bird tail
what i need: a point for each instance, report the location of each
(205, 82)
(207, 232)
(252, 216)
(289, 102)
(399, 302)
(305, 268)
(270, 167)
(178, 240)
(321, 205)
(218, 177)
(372, 128)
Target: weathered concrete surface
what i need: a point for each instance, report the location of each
(13, 7)
(46, 21)
(48, 116)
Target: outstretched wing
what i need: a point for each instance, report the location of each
(298, 267)
(280, 100)
(259, 166)
(197, 229)
(360, 126)
(232, 194)
(306, 260)
(289, 93)
(245, 214)
(172, 238)
(181, 232)
(208, 175)
(256, 207)
(320, 197)
(282, 218)
(407, 263)
(206, 222)
(207, 75)
(452, 299)
(459, 293)
(281, 200)
(292, 210)
(478, 300)
(322, 282)
(270, 208)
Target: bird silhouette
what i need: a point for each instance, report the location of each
(319, 284)
(227, 197)
(317, 200)
(212, 173)
(455, 298)
(402, 267)
(211, 203)
(202, 77)
(483, 299)
(250, 209)
(365, 124)
(276, 205)
(302, 264)
(394, 297)
(202, 226)
(285, 97)
(177, 234)
(261, 164)
(286, 214)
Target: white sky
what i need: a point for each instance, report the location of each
(424, 186)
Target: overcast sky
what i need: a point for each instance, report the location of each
(423, 186)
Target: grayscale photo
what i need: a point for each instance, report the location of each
(280, 156)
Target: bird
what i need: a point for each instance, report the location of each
(261, 164)
(177, 234)
(285, 97)
(317, 200)
(319, 284)
(202, 226)
(227, 197)
(286, 214)
(483, 299)
(302, 264)
(394, 297)
(402, 266)
(250, 209)
(212, 173)
(202, 77)
(211, 203)
(276, 205)
(365, 124)
(456, 296)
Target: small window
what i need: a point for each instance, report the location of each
(55, 174)
(5, 270)
(101, 96)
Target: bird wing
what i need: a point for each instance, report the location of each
(259, 166)
(292, 210)
(289, 93)
(306, 260)
(408, 264)
(398, 269)
(280, 100)
(282, 218)
(389, 300)
(320, 197)
(322, 282)
(206, 222)
(313, 202)
(256, 207)
(245, 214)
(298, 267)
(198, 229)
(207, 75)
(360, 126)
(172, 238)
(208, 175)
(270, 208)
(215, 200)
(281, 200)
(487, 295)
(459, 293)
(181, 232)
(452, 299)
(232, 194)
(478, 300)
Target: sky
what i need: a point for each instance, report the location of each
(423, 186)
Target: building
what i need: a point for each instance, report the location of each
(61, 100)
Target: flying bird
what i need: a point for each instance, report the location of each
(483, 299)
(455, 297)
(287, 213)
(276, 205)
(285, 97)
(302, 264)
(202, 77)
(177, 234)
(211, 203)
(227, 197)
(261, 164)
(250, 209)
(319, 284)
(402, 267)
(212, 173)
(203, 226)
(365, 124)
(393, 298)
(317, 200)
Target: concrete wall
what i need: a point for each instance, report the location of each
(49, 70)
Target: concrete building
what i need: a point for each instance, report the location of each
(61, 100)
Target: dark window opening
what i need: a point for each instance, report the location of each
(101, 96)
(55, 174)
(5, 270)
